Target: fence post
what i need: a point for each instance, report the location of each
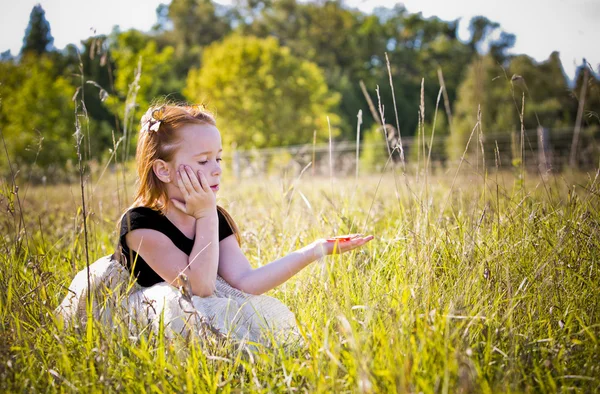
(544, 164)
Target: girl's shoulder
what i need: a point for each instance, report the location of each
(140, 217)
(141, 210)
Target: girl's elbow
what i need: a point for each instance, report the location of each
(248, 288)
(204, 290)
(250, 291)
(243, 283)
(203, 294)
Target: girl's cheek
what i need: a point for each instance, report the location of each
(199, 170)
(178, 166)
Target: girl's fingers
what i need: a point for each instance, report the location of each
(179, 205)
(181, 184)
(187, 180)
(193, 180)
(339, 247)
(203, 182)
(357, 242)
(362, 240)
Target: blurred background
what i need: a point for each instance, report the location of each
(341, 86)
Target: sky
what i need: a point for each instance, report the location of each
(571, 27)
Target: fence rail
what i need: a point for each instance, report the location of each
(541, 149)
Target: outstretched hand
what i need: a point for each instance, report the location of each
(339, 244)
(199, 198)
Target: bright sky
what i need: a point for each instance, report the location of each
(571, 27)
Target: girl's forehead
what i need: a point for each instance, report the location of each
(198, 138)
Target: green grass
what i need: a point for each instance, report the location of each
(491, 285)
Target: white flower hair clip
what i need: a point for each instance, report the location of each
(152, 119)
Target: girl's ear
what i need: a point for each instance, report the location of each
(162, 171)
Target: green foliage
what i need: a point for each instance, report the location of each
(500, 93)
(373, 153)
(188, 26)
(142, 71)
(263, 95)
(324, 46)
(346, 44)
(548, 100)
(423, 142)
(196, 23)
(482, 31)
(90, 70)
(591, 108)
(486, 88)
(38, 39)
(418, 48)
(37, 115)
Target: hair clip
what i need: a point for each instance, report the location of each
(152, 119)
(159, 113)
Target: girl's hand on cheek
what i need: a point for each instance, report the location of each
(199, 199)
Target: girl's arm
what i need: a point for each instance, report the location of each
(159, 252)
(236, 270)
(204, 258)
(165, 258)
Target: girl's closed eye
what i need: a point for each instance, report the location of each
(206, 161)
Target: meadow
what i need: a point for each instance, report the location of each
(475, 282)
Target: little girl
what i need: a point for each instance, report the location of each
(174, 227)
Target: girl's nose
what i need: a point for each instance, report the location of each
(217, 170)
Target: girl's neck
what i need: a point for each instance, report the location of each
(185, 223)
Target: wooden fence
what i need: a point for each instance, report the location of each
(539, 150)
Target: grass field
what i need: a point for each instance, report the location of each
(486, 283)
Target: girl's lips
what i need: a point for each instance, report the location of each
(215, 187)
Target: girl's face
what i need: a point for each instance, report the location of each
(200, 148)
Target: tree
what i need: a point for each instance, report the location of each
(500, 92)
(136, 54)
(591, 109)
(423, 142)
(188, 26)
(485, 86)
(38, 39)
(346, 44)
(264, 96)
(373, 152)
(93, 63)
(196, 23)
(417, 48)
(547, 97)
(482, 30)
(37, 115)
(10, 76)
(6, 56)
(143, 73)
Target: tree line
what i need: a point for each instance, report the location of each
(278, 72)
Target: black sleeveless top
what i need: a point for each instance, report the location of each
(144, 217)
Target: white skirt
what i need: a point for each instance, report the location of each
(228, 313)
